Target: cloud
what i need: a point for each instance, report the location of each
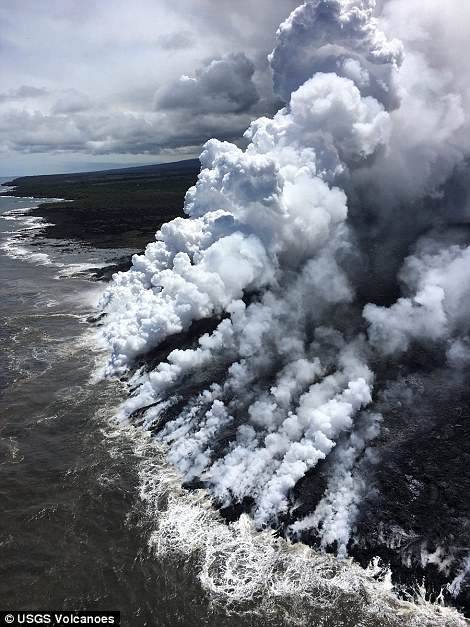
(437, 279)
(336, 37)
(96, 132)
(71, 101)
(276, 251)
(222, 85)
(431, 129)
(178, 40)
(119, 70)
(221, 100)
(280, 387)
(23, 92)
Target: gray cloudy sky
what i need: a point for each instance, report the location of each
(91, 83)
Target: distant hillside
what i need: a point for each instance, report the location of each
(111, 208)
(136, 172)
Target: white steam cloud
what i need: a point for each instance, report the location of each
(285, 380)
(438, 281)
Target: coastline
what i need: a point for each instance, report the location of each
(260, 548)
(110, 209)
(33, 242)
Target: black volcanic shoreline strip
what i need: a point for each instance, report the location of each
(111, 209)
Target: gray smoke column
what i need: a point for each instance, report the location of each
(341, 38)
(285, 380)
(256, 213)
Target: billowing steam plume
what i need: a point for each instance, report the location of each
(284, 381)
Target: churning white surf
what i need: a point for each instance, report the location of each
(267, 249)
(258, 573)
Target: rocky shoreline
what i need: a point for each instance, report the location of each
(110, 209)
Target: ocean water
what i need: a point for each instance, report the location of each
(72, 532)
(93, 517)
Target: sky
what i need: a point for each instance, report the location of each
(95, 84)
